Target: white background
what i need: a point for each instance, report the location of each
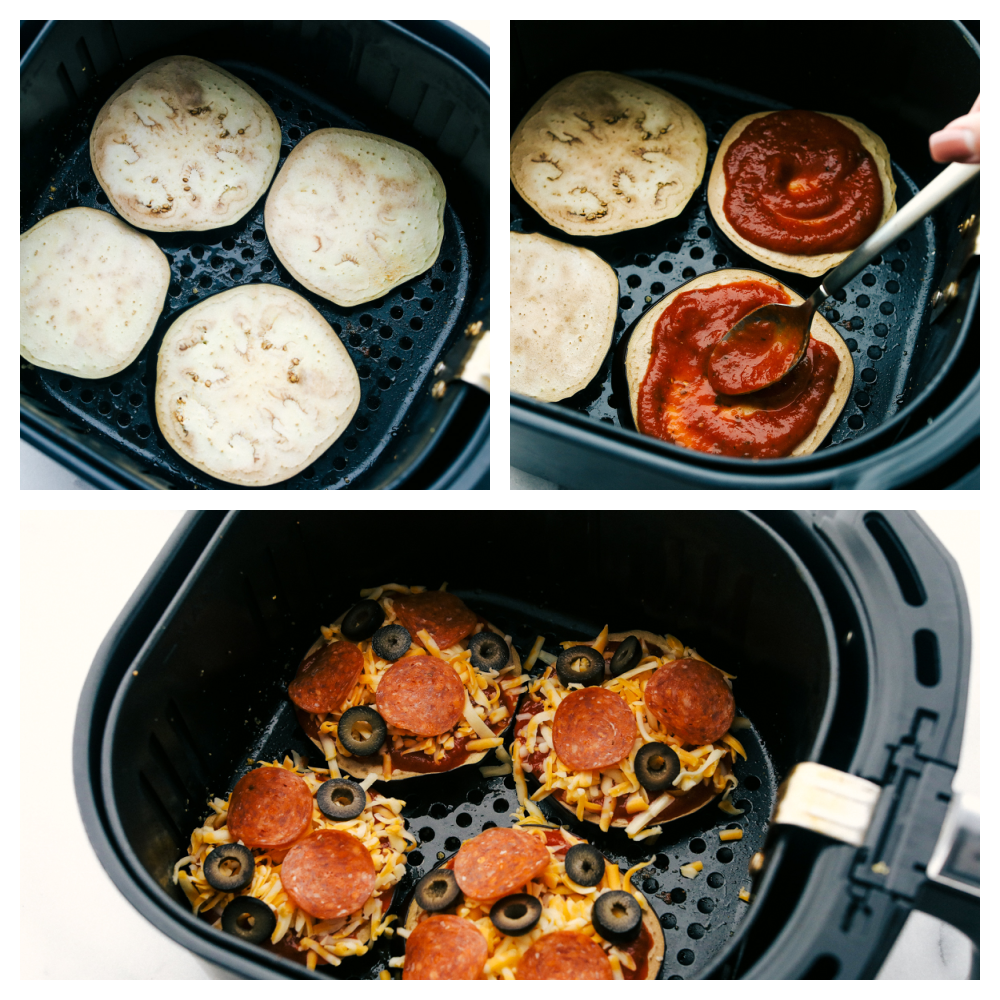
(77, 571)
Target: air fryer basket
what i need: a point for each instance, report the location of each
(164, 726)
(906, 367)
(364, 75)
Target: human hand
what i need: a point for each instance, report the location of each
(958, 141)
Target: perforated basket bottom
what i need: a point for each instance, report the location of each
(698, 916)
(394, 342)
(879, 314)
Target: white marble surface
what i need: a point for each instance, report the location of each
(80, 600)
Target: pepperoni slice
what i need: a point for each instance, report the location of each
(444, 615)
(422, 695)
(498, 862)
(328, 874)
(692, 700)
(593, 728)
(445, 947)
(564, 955)
(326, 678)
(270, 808)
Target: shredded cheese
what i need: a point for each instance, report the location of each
(485, 689)
(588, 795)
(691, 869)
(736, 834)
(535, 650)
(601, 641)
(565, 907)
(380, 827)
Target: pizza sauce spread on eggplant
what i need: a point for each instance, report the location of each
(677, 403)
(799, 182)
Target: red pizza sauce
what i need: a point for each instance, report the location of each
(639, 949)
(799, 182)
(677, 404)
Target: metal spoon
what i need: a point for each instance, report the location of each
(764, 346)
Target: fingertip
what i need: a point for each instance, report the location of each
(953, 145)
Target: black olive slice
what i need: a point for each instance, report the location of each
(361, 730)
(656, 767)
(516, 914)
(584, 864)
(341, 798)
(616, 916)
(362, 621)
(580, 665)
(627, 656)
(391, 642)
(489, 651)
(229, 868)
(437, 890)
(248, 919)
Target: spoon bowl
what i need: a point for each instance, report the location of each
(761, 349)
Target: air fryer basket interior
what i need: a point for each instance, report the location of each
(917, 75)
(208, 691)
(366, 75)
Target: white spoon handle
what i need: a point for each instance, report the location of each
(922, 203)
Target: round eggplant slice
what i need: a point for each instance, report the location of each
(229, 868)
(362, 621)
(617, 917)
(437, 890)
(361, 730)
(517, 914)
(249, 919)
(584, 865)
(627, 656)
(391, 642)
(489, 651)
(657, 767)
(341, 799)
(580, 665)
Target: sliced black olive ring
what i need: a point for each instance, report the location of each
(391, 642)
(580, 665)
(341, 799)
(584, 865)
(516, 914)
(248, 919)
(361, 730)
(489, 651)
(362, 621)
(627, 656)
(437, 890)
(229, 868)
(656, 767)
(616, 916)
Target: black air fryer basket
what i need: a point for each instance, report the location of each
(422, 83)
(912, 417)
(848, 632)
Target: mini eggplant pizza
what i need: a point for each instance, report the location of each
(625, 730)
(530, 902)
(298, 862)
(408, 682)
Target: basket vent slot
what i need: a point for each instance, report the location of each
(161, 810)
(825, 967)
(67, 85)
(83, 54)
(902, 567)
(928, 657)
